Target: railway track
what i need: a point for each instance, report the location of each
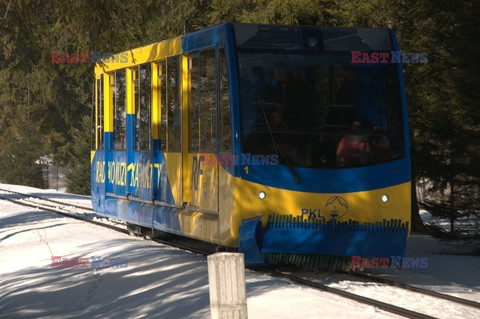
(433, 293)
(79, 212)
(386, 285)
(340, 292)
(87, 214)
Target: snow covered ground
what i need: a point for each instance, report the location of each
(164, 282)
(467, 226)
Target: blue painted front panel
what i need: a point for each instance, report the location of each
(313, 180)
(330, 181)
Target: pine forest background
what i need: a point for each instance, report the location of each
(45, 107)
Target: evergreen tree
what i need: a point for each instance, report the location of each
(20, 152)
(44, 106)
(442, 100)
(78, 181)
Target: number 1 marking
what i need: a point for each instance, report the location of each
(246, 169)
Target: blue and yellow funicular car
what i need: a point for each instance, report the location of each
(272, 127)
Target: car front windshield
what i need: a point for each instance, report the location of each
(318, 110)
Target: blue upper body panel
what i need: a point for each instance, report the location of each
(311, 180)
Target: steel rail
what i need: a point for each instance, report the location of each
(424, 291)
(47, 199)
(64, 212)
(372, 302)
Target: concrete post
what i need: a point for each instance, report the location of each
(226, 277)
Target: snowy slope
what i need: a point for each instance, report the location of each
(159, 282)
(164, 282)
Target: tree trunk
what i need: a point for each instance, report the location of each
(452, 207)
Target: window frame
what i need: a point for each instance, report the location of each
(174, 143)
(139, 127)
(116, 97)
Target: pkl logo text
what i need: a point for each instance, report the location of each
(84, 57)
(97, 262)
(337, 206)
